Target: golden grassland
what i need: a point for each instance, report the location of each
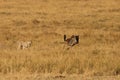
(44, 22)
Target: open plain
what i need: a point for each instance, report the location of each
(44, 22)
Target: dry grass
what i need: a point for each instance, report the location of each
(44, 22)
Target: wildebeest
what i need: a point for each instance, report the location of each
(73, 40)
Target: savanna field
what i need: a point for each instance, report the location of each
(44, 22)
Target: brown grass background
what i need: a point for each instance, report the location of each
(44, 22)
